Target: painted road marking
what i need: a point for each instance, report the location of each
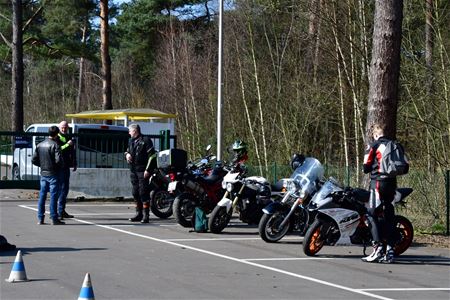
(308, 278)
(249, 262)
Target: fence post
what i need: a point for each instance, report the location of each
(274, 172)
(164, 140)
(348, 175)
(447, 192)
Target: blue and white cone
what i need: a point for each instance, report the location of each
(18, 273)
(86, 292)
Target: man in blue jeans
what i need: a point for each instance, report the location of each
(48, 157)
(69, 161)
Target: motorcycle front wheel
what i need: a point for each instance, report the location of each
(161, 203)
(404, 234)
(269, 229)
(183, 209)
(314, 238)
(218, 219)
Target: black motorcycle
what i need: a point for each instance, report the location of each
(290, 213)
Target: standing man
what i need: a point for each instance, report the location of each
(382, 192)
(70, 161)
(138, 155)
(48, 157)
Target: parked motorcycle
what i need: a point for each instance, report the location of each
(250, 195)
(290, 213)
(201, 191)
(164, 180)
(160, 199)
(341, 218)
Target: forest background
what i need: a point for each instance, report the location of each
(295, 78)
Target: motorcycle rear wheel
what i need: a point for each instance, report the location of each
(161, 203)
(314, 238)
(218, 219)
(268, 227)
(183, 209)
(405, 233)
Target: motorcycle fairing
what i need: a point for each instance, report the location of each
(347, 221)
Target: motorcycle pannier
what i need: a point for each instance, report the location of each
(174, 158)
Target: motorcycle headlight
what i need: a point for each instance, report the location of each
(224, 185)
(301, 194)
(229, 187)
(291, 187)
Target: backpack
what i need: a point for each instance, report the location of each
(393, 160)
(200, 220)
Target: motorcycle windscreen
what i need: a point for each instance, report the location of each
(307, 174)
(322, 198)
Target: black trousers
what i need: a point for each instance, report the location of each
(141, 187)
(381, 209)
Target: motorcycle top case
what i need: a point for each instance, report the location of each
(173, 158)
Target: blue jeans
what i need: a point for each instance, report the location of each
(64, 190)
(48, 184)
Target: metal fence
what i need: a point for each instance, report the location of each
(93, 150)
(428, 207)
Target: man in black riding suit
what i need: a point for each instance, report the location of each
(382, 193)
(139, 156)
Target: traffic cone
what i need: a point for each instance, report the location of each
(86, 292)
(18, 270)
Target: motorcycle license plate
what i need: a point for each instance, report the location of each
(172, 186)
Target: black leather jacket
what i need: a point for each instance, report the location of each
(141, 149)
(48, 157)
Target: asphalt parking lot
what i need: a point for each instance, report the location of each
(162, 260)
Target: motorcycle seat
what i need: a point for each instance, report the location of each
(210, 179)
(361, 195)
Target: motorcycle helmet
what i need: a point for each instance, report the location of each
(297, 160)
(239, 149)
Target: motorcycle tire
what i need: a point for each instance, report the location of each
(183, 209)
(268, 227)
(314, 238)
(218, 219)
(161, 202)
(405, 234)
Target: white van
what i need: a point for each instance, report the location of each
(91, 151)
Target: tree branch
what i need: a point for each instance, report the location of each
(5, 17)
(5, 40)
(27, 24)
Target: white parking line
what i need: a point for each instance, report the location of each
(221, 239)
(406, 289)
(231, 258)
(287, 258)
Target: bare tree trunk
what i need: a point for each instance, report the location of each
(385, 66)
(339, 56)
(246, 106)
(258, 91)
(429, 43)
(363, 39)
(313, 37)
(106, 59)
(81, 85)
(17, 69)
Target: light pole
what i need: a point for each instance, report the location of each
(219, 86)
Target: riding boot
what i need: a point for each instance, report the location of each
(138, 215)
(146, 217)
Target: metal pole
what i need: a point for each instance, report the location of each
(447, 190)
(219, 87)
